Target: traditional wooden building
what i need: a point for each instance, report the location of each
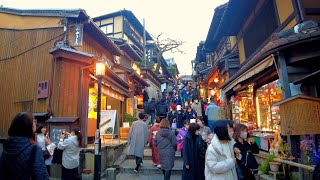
(48, 65)
(124, 25)
(275, 43)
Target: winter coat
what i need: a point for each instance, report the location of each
(151, 138)
(22, 160)
(181, 117)
(182, 133)
(217, 163)
(197, 108)
(167, 146)
(171, 116)
(145, 96)
(213, 112)
(194, 149)
(162, 109)
(138, 138)
(247, 162)
(190, 115)
(152, 106)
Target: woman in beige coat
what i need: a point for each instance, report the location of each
(220, 161)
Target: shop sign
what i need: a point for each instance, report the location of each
(78, 35)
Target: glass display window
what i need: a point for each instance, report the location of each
(243, 110)
(268, 116)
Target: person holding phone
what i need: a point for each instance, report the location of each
(43, 140)
(71, 152)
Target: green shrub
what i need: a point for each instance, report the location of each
(128, 118)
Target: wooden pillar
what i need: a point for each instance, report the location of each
(286, 93)
(84, 101)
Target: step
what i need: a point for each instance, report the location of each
(148, 167)
(126, 176)
(147, 154)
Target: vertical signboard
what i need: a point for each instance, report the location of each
(78, 35)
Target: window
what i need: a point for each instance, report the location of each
(262, 26)
(107, 29)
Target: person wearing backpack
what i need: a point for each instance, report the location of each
(21, 157)
(245, 152)
(152, 109)
(162, 109)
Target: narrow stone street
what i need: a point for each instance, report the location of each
(148, 171)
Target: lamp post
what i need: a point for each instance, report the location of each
(100, 72)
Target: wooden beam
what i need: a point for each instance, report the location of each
(283, 76)
(299, 70)
(300, 57)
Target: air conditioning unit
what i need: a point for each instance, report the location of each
(43, 89)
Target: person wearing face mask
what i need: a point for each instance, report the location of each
(220, 161)
(246, 148)
(197, 107)
(180, 117)
(194, 150)
(204, 131)
(190, 113)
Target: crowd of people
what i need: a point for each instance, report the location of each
(181, 121)
(28, 151)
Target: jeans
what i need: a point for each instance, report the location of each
(138, 161)
(153, 114)
(212, 124)
(166, 174)
(70, 174)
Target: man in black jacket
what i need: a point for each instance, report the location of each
(152, 109)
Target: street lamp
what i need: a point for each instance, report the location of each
(100, 72)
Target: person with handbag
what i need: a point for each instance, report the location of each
(182, 133)
(70, 156)
(245, 148)
(167, 146)
(173, 115)
(21, 157)
(43, 140)
(151, 137)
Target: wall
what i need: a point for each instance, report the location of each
(24, 61)
(285, 9)
(118, 24)
(22, 22)
(242, 55)
(152, 89)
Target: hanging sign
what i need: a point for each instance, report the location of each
(78, 35)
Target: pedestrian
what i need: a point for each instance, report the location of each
(220, 160)
(182, 133)
(145, 97)
(196, 105)
(152, 109)
(181, 117)
(151, 137)
(162, 109)
(21, 157)
(167, 146)
(70, 143)
(138, 138)
(204, 130)
(213, 113)
(190, 113)
(172, 115)
(245, 148)
(194, 150)
(43, 140)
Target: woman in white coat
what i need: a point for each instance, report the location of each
(220, 160)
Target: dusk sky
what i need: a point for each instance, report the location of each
(188, 21)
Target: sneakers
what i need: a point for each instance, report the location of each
(159, 166)
(136, 170)
(141, 164)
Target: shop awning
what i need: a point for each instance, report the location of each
(62, 119)
(262, 65)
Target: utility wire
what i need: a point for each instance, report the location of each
(31, 48)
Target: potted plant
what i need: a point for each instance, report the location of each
(128, 118)
(127, 122)
(269, 164)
